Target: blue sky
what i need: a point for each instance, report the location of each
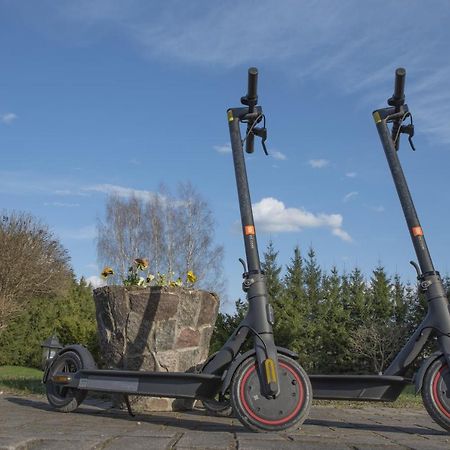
(107, 96)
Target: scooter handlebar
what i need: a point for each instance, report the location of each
(251, 101)
(399, 89)
(252, 84)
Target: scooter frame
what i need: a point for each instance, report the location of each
(389, 385)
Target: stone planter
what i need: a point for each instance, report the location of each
(154, 329)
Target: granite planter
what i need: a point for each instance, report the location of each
(154, 329)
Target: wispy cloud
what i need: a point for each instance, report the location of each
(225, 148)
(349, 196)
(351, 174)
(62, 204)
(8, 118)
(275, 154)
(271, 215)
(318, 163)
(334, 45)
(121, 191)
(378, 209)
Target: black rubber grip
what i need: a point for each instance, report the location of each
(252, 83)
(399, 89)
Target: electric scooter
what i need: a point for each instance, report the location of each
(267, 389)
(433, 377)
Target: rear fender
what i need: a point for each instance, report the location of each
(420, 374)
(85, 355)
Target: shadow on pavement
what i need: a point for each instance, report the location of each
(169, 419)
(375, 427)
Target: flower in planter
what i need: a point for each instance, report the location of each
(177, 283)
(134, 277)
(106, 272)
(191, 277)
(141, 263)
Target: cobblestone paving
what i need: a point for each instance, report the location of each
(29, 423)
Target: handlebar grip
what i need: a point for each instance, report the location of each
(252, 83)
(399, 89)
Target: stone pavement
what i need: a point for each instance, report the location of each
(29, 423)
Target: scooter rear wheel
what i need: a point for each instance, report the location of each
(289, 408)
(436, 392)
(62, 398)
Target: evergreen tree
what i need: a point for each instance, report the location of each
(333, 325)
(290, 312)
(71, 318)
(356, 298)
(399, 302)
(380, 305)
(313, 297)
(272, 272)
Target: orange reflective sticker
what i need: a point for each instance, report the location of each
(417, 231)
(249, 229)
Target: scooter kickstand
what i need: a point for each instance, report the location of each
(127, 402)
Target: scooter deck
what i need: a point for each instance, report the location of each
(384, 388)
(153, 384)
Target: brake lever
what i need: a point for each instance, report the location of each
(262, 133)
(409, 130)
(263, 142)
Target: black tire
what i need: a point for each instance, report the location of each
(259, 413)
(215, 406)
(62, 398)
(220, 408)
(436, 392)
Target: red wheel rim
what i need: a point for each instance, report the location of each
(251, 413)
(436, 394)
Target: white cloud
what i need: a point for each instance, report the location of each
(318, 163)
(275, 154)
(349, 196)
(8, 118)
(351, 174)
(95, 281)
(121, 191)
(378, 209)
(226, 148)
(271, 215)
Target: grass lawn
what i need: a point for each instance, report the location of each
(21, 380)
(407, 399)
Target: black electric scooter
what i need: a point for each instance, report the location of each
(268, 390)
(433, 377)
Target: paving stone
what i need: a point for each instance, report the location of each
(28, 423)
(139, 443)
(197, 439)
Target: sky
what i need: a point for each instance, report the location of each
(101, 97)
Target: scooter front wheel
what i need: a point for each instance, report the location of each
(436, 392)
(259, 413)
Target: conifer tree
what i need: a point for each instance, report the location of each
(272, 271)
(379, 297)
(291, 311)
(333, 325)
(356, 298)
(398, 301)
